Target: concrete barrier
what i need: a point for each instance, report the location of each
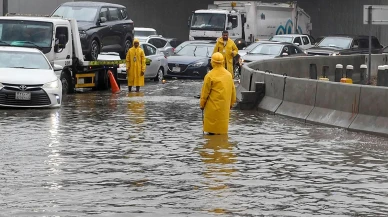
(373, 111)
(274, 90)
(299, 98)
(245, 81)
(336, 104)
(257, 76)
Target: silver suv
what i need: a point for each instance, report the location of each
(161, 43)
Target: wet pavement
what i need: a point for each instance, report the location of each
(143, 154)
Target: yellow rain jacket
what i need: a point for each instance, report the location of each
(229, 51)
(136, 64)
(217, 97)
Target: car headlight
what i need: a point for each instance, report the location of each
(197, 64)
(336, 54)
(52, 85)
(82, 34)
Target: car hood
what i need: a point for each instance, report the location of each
(256, 57)
(185, 59)
(26, 76)
(85, 25)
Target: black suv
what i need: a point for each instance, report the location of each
(345, 45)
(103, 27)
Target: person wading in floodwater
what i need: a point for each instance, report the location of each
(228, 49)
(217, 97)
(136, 66)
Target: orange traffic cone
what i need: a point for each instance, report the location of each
(113, 83)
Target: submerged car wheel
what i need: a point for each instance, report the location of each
(94, 50)
(160, 75)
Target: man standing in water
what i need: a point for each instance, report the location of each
(228, 49)
(217, 97)
(136, 66)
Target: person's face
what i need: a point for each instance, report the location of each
(225, 36)
(136, 44)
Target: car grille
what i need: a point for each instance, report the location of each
(206, 38)
(320, 54)
(38, 97)
(172, 65)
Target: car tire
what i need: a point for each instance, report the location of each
(160, 75)
(94, 50)
(102, 80)
(127, 46)
(67, 84)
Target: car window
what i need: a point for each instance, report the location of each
(104, 13)
(124, 14)
(375, 43)
(162, 42)
(305, 40)
(150, 50)
(158, 43)
(292, 50)
(17, 59)
(363, 43)
(201, 52)
(281, 39)
(267, 49)
(187, 50)
(312, 39)
(336, 42)
(79, 13)
(297, 40)
(114, 14)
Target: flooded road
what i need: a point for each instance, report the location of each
(143, 154)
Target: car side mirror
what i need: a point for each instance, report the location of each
(284, 54)
(102, 20)
(297, 44)
(57, 67)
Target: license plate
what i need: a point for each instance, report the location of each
(81, 81)
(176, 69)
(23, 96)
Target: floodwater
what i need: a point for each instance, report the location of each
(144, 154)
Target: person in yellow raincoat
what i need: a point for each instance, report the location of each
(228, 48)
(217, 97)
(136, 66)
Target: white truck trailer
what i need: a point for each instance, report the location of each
(59, 40)
(248, 21)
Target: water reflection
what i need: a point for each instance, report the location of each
(136, 108)
(218, 155)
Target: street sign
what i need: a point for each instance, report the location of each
(379, 14)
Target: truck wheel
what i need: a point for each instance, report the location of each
(102, 80)
(67, 83)
(127, 46)
(94, 51)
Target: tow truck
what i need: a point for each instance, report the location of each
(59, 40)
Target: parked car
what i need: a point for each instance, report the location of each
(142, 33)
(156, 63)
(345, 45)
(192, 61)
(103, 27)
(273, 50)
(303, 41)
(27, 79)
(161, 43)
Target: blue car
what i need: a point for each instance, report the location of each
(192, 61)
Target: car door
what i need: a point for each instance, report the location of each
(306, 43)
(152, 61)
(104, 31)
(298, 41)
(116, 29)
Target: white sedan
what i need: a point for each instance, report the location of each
(156, 63)
(27, 79)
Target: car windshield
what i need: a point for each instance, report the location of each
(336, 42)
(251, 47)
(267, 49)
(85, 14)
(26, 33)
(196, 50)
(281, 39)
(208, 21)
(139, 33)
(19, 59)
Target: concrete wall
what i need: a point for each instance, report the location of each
(350, 106)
